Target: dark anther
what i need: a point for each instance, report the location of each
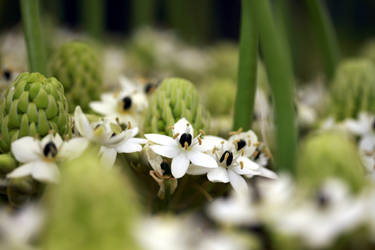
(126, 103)
(229, 157)
(322, 200)
(149, 88)
(257, 155)
(373, 125)
(7, 74)
(185, 138)
(241, 144)
(165, 167)
(113, 134)
(50, 149)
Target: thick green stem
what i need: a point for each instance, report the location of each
(34, 42)
(325, 34)
(247, 70)
(143, 12)
(93, 14)
(280, 76)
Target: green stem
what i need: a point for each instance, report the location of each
(93, 17)
(281, 80)
(247, 70)
(143, 12)
(326, 35)
(34, 42)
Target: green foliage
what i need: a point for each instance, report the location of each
(174, 99)
(223, 90)
(330, 154)
(92, 208)
(78, 67)
(33, 105)
(353, 88)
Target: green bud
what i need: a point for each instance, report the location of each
(174, 98)
(353, 88)
(330, 154)
(92, 206)
(33, 105)
(7, 163)
(78, 67)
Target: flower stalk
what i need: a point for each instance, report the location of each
(325, 35)
(247, 70)
(34, 41)
(93, 17)
(280, 75)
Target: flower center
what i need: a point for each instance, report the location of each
(149, 88)
(227, 157)
(7, 74)
(50, 150)
(322, 200)
(165, 167)
(241, 144)
(126, 103)
(185, 139)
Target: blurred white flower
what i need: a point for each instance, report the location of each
(318, 222)
(39, 158)
(109, 136)
(232, 163)
(125, 105)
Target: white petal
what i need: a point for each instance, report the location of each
(238, 183)
(201, 159)
(180, 164)
(209, 142)
(103, 108)
(360, 127)
(161, 139)
(154, 159)
(183, 126)
(108, 156)
(129, 146)
(22, 171)
(82, 124)
(46, 172)
(218, 175)
(166, 151)
(73, 148)
(197, 170)
(367, 143)
(46, 139)
(58, 141)
(26, 149)
(248, 166)
(132, 132)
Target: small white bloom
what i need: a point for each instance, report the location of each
(39, 158)
(125, 105)
(183, 148)
(233, 164)
(245, 141)
(103, 134)
(320, 221)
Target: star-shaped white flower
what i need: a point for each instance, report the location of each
(124, 105)
(111, 142)
(39, 158)
(183, 148)
(233, 164)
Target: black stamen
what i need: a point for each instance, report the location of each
(241, 144)
(373, 125)
(185, 138)
(126, 103)
(149, 87)
(229, 159)
(7, 74)
(165, 167)
(258, 155)
(113, 134)
(50, 149)
(322, 200)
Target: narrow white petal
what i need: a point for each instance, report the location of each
(248, 166)
(201, 159)
(108, 156)
(22, 171)
(138, 140)
(26, 149)
(103, 108)
(128, 146)
(267, 173)
(238, 183)
(46, 172)
(367, 143)
(182, 126)
(197, 170)
(180, 164)
(166, 151)
(82, 124)
(161, 139)
(218, 175)
(209, 142)
(58, 141)
(73, 148)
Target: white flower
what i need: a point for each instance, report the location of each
(232, 164)
(182, 148)
(245, 141)
(111, 142)
(39, 158)
(332, 213)
(125, 105)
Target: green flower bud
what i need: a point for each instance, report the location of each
(353, 88)
(7, 163)
(330, 154)
(33, 105)
(77, 66)
(92, 207)
(223, 89)
(175, 98)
